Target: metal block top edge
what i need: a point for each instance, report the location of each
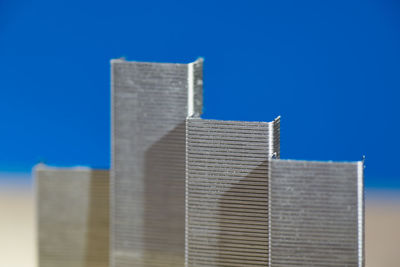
(124, 61)
(275, 121)
(44, 167)
(320, 161)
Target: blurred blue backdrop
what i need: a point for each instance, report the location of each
(329, 68)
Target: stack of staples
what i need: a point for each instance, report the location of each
(150, 104)
(316, 216)
(227, 191)
(72, 217)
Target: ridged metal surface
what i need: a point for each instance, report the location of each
(150, 104)
(227, 191)
(316, 214)
(72, 217)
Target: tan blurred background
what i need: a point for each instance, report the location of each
(17, 226)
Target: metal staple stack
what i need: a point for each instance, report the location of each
(150, 104)
(72, 217)
(316, 216)
(227, 191)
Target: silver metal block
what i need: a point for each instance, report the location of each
(227, 191)
(72, 217)
(150, 102)
(316, 214)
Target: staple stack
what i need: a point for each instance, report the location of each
(150, 104)
(316, 213)
(72, 217)
(227, 191)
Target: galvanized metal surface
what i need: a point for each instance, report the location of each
(72, 217)
(150, 104)
(316, 214)
(227, 191)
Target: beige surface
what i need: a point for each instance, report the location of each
(382, 225)
(17, 245)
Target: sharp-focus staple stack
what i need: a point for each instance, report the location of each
(191, 192)
(227, 191)
(316, 216)
(73, 217)
(150, 104)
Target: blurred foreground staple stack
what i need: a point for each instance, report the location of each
(72, 217)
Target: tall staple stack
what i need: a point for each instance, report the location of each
(72, 217)
(317, 214)
(150, 102)
(227, 191)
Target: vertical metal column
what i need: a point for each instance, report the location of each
(317, 214)
(227, 191)
(72, 217)
(150, 102)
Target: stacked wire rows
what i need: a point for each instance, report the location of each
(316, 213)
(150, 105)
(73, 217)
(227, 191)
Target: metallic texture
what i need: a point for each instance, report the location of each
(227, 191)
(317, 214)
(72, 217)
(150, 102)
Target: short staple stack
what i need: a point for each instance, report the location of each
(73, 217)
(227, 191)
(316, 213)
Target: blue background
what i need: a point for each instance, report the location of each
(329, 68)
